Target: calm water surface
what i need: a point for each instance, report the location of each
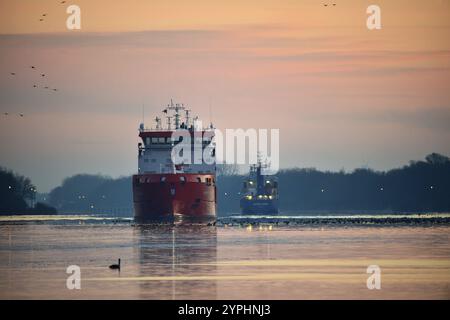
(238, 262)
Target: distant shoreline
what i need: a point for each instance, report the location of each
(423, 219)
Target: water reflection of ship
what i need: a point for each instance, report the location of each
(171, 252)
(259, 192)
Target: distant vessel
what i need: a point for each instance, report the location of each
(163, 190)
(259, 192)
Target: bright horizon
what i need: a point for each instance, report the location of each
(341, 95)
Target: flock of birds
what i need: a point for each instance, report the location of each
(42, 18)
(41, 76)
(328, 4)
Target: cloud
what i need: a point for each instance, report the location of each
(433, 118)
(150, 39)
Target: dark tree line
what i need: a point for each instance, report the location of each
(94, 194)
(417, 187)
(17, 195)
(420, 186)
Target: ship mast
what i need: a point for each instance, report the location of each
(177, 108)
(158, 123)
(169, 122)
(187, 118)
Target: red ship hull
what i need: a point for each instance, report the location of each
(174, 197)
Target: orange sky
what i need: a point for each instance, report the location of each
(342, 96)
(22, 16)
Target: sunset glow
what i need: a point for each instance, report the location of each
(342, 96)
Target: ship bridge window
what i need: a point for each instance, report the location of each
(147, 140)
(208, 181)
(161, 140)
(183, 180)
(199, 179)
(175, 140)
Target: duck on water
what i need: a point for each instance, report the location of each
(115, 266)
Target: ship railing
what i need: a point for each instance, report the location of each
(166, 129)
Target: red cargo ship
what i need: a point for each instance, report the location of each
(176, 192)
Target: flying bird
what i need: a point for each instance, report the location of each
(41, 19)
(13, 73)
(6, 113)
(32, 67)
(44, 14)
(45, 87)
(21, 114)
(55, 89)
(63, 2)
(43, 75)
(34, 86)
